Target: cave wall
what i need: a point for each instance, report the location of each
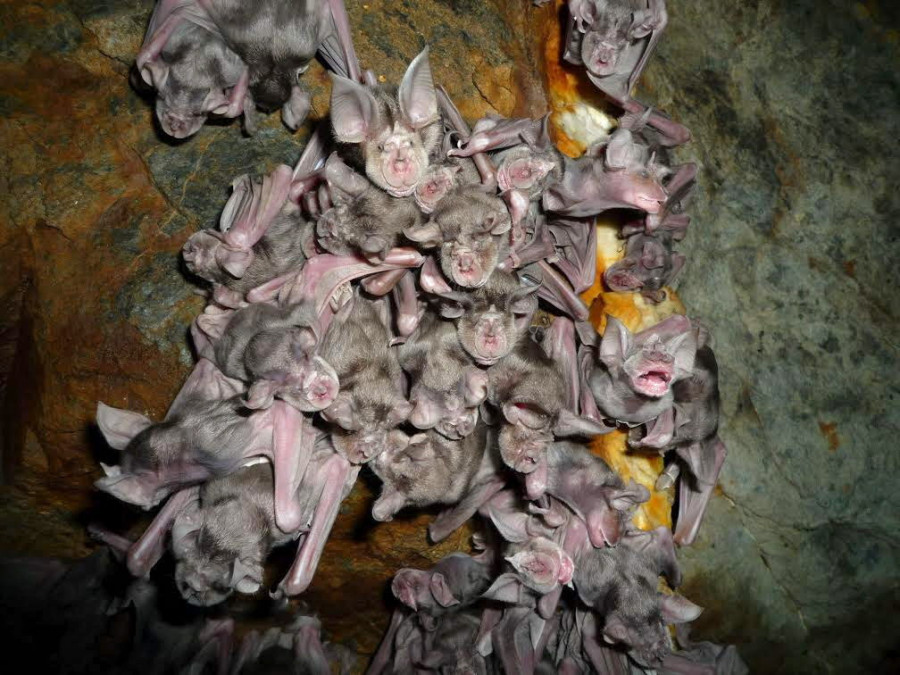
(794, 111)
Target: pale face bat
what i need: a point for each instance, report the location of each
(431, 469)
(186, 60)
(468, 225)
(370, 405)
(492, 319)
(634, 383)
(236, 530)
(648, 265)
(541, 564)
(273, 350)
(390, 135)
(530, 171)
(446, 387)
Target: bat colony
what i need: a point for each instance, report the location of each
(373, 306)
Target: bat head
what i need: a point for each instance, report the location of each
(420, 590)
(654, 359)
(522, 447)
(624, 275)
(362, 430)
(524, 171)
(605, 41)
(203, 581)
(396, 134)
(435, 184)
(493, 318)
(459, 424)
(200, 255)
(445, 412)
(542, 564)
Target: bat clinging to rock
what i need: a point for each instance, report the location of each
(390, 135)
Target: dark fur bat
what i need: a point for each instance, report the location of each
(586, 484)
(491, 320)
(273, 350)
(634, 383)
(261, 235)
(391, 135)
(468, 225)
(621, 584)
(446, 387)
(614, 40)
(222, 543)
(649, 265)
(277, 39)
(454, 582)
(431, 469)
(207, 433)
(370, 406)
(187, 61)
(529, 388)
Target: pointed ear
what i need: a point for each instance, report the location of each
(678, 609)
(261, 395)
(570, 424)
(215, 102)
(354, 111)
(243, 577)
(120, 426)
(615, 631)
(528, 415)
(616, 345)
(441, 591)
(631, 495)
(303, 340)
(619, 149)
(234, 262)
(419, 449)
(684, 348)
(426, 236)
(417, 97)
(342, 412)
(506, 588)
(498, 225)
(155, 74)
(454, 304)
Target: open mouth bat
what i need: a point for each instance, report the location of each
(370, 406)
(391, 135)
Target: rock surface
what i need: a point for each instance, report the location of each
(794, 112)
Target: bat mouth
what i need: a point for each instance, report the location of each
(653, 382)
(490, 348)
(649, 204)
(622, 281)
(468, 273)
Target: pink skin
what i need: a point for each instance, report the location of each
(620, 279)
(556, 289)
(384, 283)
(451, 112)
(523, 173)
(412, 588)
(334, 477)
(400, 166)
(432, 280)
(491, 342)
(466, 267)
(543, 565)
(522, 448)
(651, 370)
(431, 189)
(407, 304)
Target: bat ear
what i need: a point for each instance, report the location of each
(522, 304)
(243, 577)
(530, 416)
(354, 111)
(454, 305)
(234, 262)
(498, 224)
(441, 591)
(120, 426)
(417, 96)
(400, 413)
(615, 631)
(155, 74)
(419, 448)
(632, 495)
(215, 102)
(426, 236)
(261, 395)
(684, 348)
(506, 588)
(678, 609)
(616, 344)
(619, 149)
(303, 340)
(570, 424)
(375, 245)
(342, 412)
(238, 203)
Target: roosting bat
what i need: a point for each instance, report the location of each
(391, 135)
(454, 582)
(370, 406)
(648, 265)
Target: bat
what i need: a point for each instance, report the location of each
(541, 564)
(295, 648)
(649, 265)
(431, 469)
(391, 135)
(221, 545)
(453, 583)
(634, 384)
(207, 433)
(186, 59)
(371, 405)
(272, 349)
(446, 387)
(261, 235)
(491, 319)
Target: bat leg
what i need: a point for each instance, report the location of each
(118, 544)
(705, 460)
(335, 473)
(484, 165)
(382, 657)
(407, 304)
(293, 439)
(149, 548)
(453, 518)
